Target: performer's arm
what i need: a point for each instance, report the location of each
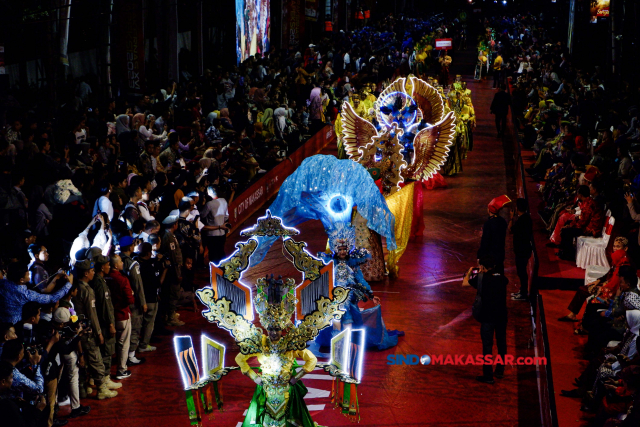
(241, 360)
(309, 364)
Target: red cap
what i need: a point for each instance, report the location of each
(592, 174)
(498, 203)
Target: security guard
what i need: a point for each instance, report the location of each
(85, 306)
(106, 315)
(131, 270)
(170, 250)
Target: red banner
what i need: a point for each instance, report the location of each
(129, 19)
(444, 44)
(266, 187)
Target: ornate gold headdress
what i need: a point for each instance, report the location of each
(275, 302)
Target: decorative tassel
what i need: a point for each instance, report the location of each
(198, 399)
(208, 399)
(192, 408)
(217, 389)
(354, 407)
(346, 398)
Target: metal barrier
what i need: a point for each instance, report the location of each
(539, 337)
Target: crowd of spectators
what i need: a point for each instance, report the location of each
(109, 208)
(584, 130)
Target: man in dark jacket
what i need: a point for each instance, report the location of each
(522, 229)
(500, 107)
(492, 287)
(494, 233)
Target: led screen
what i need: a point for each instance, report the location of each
(253, 27)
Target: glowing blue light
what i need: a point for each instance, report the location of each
(404, 123)
(338, 204)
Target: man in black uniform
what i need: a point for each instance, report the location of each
(521, 227)
(500, 107)
(492, 314)
(494, 233)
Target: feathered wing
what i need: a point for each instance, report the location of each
(247, 335)
(356, 131)
(428, 99)
(313, 323)
(431, 147)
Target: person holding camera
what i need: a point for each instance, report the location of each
(70, 350)
(17, 412)
(215, 217)
(490, 309)
(14, 352)
(15, 293)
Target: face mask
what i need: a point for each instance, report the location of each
(42, 257)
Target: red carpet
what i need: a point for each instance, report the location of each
(427, 302)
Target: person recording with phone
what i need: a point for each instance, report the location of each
(490, 309)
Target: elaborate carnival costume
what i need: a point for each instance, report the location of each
(278, 400)
(347, 259)
(408, 140)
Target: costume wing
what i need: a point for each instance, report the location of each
(356, 131)
(428, 99)
(431, 147)
(247, 335)
(313, 323)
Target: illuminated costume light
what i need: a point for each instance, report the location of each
(201, 390)
(410, 137)
(348, 274)
(278, 398)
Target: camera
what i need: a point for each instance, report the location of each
(474, 273)
(34, 349)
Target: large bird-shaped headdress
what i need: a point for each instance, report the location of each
(408, 113)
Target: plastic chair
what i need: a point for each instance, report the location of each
(593, 250)
(594, 272)
(580, 243)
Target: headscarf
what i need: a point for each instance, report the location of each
(211, 117)
(633, 319)
(122, 124)
(138, 120)
(280, 117)
(224, 114)
(315, 103)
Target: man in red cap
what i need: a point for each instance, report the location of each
(589, 223)
(494, 233)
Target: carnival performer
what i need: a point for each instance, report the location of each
(347, 260)
(278, 400)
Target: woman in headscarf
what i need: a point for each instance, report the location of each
(267, 123)
(138, 120)
(280, 121)
(122, 124)
(315, 110)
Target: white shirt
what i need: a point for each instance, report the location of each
(347, 58)
(103, 204)
(215, 213)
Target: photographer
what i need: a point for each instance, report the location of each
(153, 272)
(17, 412)
(13, 352)
(15, 293)
(490, 309)
(215, 217)
(70, 350)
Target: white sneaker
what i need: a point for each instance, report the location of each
(146, 348)
(65, 402)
